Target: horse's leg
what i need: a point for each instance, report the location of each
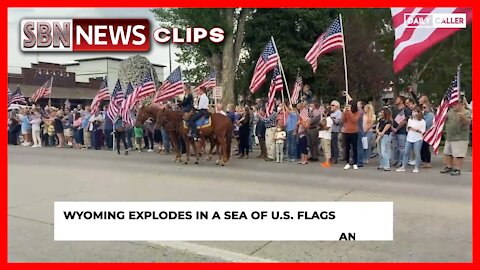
(187, 147)
(212, 147)
(175, 144)
(222, 152)
(195, 151)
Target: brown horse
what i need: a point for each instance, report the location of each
(145, 112)
(218, 133)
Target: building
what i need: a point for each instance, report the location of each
(64, 84)
(99, 67)
(76, 82)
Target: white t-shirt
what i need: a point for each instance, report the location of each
(414, 136)
(36, 123)
(203, 102)
(326, 134)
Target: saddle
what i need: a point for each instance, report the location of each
(203, 122)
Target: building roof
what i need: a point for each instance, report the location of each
(58, 92)
(103, 58)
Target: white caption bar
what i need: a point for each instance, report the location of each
(223, 221)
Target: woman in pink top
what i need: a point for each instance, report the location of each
(77, 131)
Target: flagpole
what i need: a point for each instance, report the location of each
(50, 94)
(458, 77)
(344, 60)
(283, 73)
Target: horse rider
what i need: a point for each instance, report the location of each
(187, 102)
(202, 110)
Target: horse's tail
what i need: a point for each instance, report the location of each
(229, 139)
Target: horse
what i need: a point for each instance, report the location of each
(219, 132)
(145, 112)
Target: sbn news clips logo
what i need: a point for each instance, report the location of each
(428, 20)
(63, 35)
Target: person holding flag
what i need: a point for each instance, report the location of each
(457, 126)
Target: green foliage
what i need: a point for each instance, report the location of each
(369, 41)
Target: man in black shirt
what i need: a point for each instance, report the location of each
(399, 130)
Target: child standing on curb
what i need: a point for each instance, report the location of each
(138, 131)
(280, 137)
(325, 135)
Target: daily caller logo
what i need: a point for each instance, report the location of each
(432, 20)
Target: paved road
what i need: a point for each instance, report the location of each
(432, 212)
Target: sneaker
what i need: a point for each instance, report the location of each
(34, 146)
(347, 167)
(446, 170)
(126, 153)
(139, 151)
(401, 169)
(386, 169)
(150, 150)
(411, 163)
(379, 168)
(278, 161)
(355, 167)
(455, 172)
(326, 164)
(415, 170)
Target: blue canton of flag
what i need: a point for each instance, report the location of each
(115, 102)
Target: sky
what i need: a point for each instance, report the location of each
(17, 59)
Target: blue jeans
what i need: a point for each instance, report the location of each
(398, 147)
(416, 147)
(129, 137)
(360, 157)
(385, 151)
(368, 152)
(166, 140)
(291, 145)
(108, 138)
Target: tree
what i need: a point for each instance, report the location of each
(368, 68)
(294, 31)
(134, 69)
(205, 55)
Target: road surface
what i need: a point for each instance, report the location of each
(432, 212)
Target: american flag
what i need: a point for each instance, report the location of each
(400, 117)
(101, 95)
(115, 101)
(411, 42)
(434, 135)
(267, 61)
(275, 85)
(304, 114)
(330, 40)
(296, 89)
(209, 82)
(126, 105)
(17, 97)
(145, 89)
(43, 91)
(171, 87)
